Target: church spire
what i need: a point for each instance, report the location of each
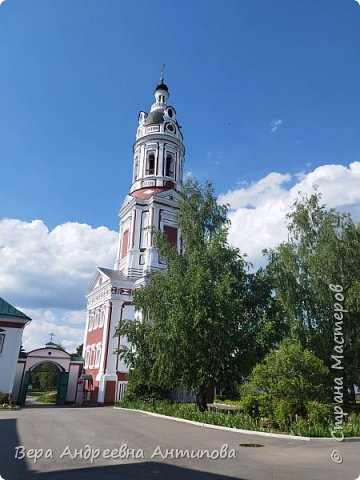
(161, 92)
(162, 73)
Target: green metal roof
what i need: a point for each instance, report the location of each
(77, 358)
(9, 310)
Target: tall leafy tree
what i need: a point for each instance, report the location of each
(264, 324)
(194, 311)
(323, 249)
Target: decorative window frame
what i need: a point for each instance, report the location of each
(92, 356)
(91, 321)
(98, 355)
(102, 318)
(144, 230)
(96, 319)
(150, 172)
(87, 357)
(136, 168)
(170, 165)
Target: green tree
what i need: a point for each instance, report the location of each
(45, 377)
(22, 352)
(264, 325)
(192, 337)
(79, 350)
(284, 383)
(323, 248)
(140, 357)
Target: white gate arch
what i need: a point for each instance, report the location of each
(68, 364)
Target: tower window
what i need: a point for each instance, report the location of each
(98, 355)
(87, 357)
(136, 169)
(150, 164)
(169, 166)
(96, 321)
(125, 243)
(171, 234)
(144, 230)
(102, 318)
(2, 341)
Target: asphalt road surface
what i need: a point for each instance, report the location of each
(60, 436)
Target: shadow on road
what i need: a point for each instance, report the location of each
(16, 469)
(134, 471)
(9, 439)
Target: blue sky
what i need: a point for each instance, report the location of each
(259, 87)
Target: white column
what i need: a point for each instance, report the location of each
(103, 345)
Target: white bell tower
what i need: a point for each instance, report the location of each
(157, 176)
(152, 202)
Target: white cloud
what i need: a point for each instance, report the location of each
(51, 269)
(2, 1)
(357, 1)
(258, 210)
(66, 325)
(275, 124)
(46, 275)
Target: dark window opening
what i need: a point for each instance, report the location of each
(150, 164)
(169, 166)
(171, 234)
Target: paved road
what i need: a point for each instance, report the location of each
(63, 430)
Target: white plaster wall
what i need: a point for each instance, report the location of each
(73, 376)
(20, 369)
(115, 317)
(128, 314)
(48, 355)
(8, 358)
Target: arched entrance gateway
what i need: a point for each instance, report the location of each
(49, 368)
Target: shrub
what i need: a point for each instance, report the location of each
(281, 386)
(226, 401)
(251, 404)
(5, 401)
(318, 413)
(284, 412)
(139, 388)
(219, 398)
(4, 398)
(48, 397)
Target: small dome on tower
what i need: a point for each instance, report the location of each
(162, 86)
(156, 116)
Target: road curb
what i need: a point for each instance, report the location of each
(239, 430)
